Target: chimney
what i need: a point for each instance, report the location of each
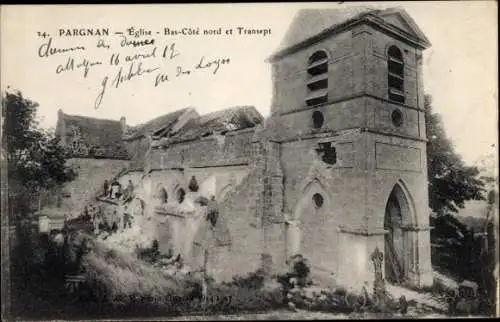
(123, 123)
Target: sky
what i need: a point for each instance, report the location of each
(460, 69)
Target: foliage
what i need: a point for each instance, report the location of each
(301, 269)
(299, 291)
(35, 159)
(123, 277)
(254, 280)
(298, 275)
(451, 182)
(151, 254)
(125, 281)
(223, 298)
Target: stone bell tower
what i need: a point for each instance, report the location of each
(348, 114)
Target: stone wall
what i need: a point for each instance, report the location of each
(277, 196)
(244, 253)
(232, 148)
(373, 155)
(135, 176)
(137, 150)
(290, 73)
(220, 165)
(377, 44)
(90, 180)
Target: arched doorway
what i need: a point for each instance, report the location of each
(399, 248)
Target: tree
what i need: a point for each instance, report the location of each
(35, 160)
(451, 182)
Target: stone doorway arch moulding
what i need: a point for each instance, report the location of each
(408, 251)
(294, 224)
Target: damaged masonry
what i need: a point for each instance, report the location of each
(331, 174)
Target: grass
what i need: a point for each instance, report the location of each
(134, 287)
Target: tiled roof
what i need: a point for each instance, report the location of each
(99, 137)
(231, 119)
(309, 23)
(155, 127)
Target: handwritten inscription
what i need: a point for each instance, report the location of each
(102, 44)
(47, 49)
(118, 58)
(215, 63)
(136, 43)
(136, 68)
(70, 66)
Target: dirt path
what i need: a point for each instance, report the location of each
(299, 315)
(424, 299)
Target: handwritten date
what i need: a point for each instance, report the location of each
(71, 66)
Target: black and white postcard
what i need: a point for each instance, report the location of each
(250, 161)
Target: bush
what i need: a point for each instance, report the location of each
(149, 255)
(299, 292)
(254, 280)
(233, 299)
(298, 276)
(124, 278)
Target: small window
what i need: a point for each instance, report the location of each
(395, 74)
(318, 57)
(181, 194)
(163, 195)
(317, 82)
(318, 200)
(397, 118)
(318, 119)
(327, 152)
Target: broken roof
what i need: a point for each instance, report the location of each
(156, 127)
(231, 119)
(101, 137)
(309, 24)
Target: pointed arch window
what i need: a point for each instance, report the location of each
(162, 195)
(181, 194)
(317, 83)
(395, 74)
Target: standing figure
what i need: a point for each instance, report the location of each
(129, 191)
(127, 218)
(212, 211)
(119, 190)
(115, 190)
(106, 188)
(112, 190)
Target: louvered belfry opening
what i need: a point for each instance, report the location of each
(395, 75)
(317, 83)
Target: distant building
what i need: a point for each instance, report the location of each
(97, 152)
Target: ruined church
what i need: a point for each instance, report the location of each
(337, 170)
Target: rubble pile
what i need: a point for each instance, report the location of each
(174, 267)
